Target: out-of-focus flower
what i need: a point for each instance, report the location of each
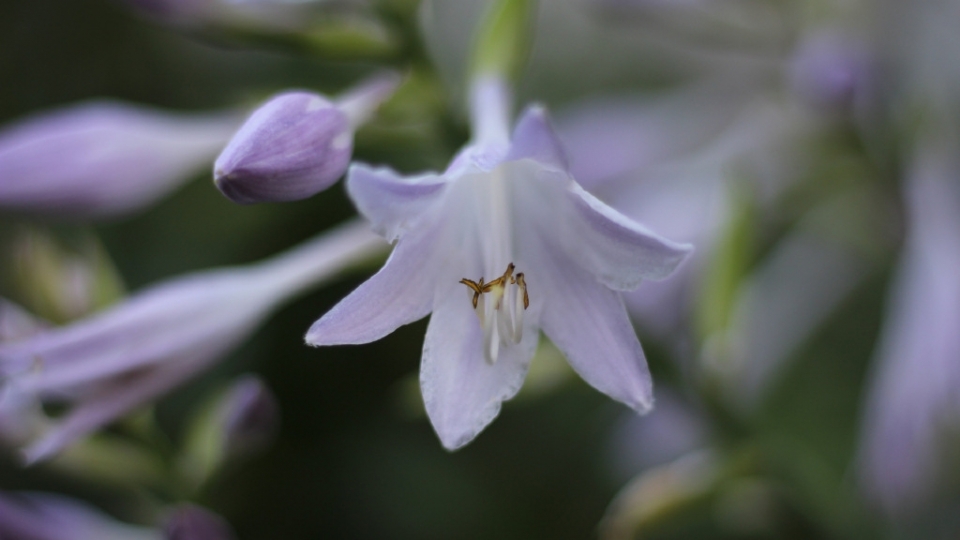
(674, 428)
(191, 522)
(501, 244)
(685, 185)
(104, 158)
(296, 144)
(123, 357)
(43, 516)
(912, 405)
(682, 183)
(831, 70)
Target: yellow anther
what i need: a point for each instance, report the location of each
(500, 284)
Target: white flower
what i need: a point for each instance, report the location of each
(502, 244)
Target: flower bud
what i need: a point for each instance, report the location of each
(250, 417)
(294, 146)
(190, 522)
(830, 71)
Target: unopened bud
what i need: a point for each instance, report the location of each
(294, 146)
(830, 71)
(250, 417)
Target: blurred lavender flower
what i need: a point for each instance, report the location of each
(296, 144)
(831, 70)
(684, 183)
(912, 404)
(501, 244)
(121, 358)
(680, 181)
(673, 429)
(104, 158)
(191, 522)
(41, 516)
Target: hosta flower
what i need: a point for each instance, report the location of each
(104, 158)
(109, 363)
(502, 244)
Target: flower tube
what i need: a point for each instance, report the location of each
(104, 158)
(116, 360)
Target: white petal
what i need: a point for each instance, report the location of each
(616, 250)
(533, 138)
(589, 324)
(390, 201)
(461, 390)
(400, 293)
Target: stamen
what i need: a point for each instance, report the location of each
(501, 317)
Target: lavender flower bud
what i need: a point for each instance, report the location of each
(830, 71)
(250, 417)
(190, 522)
(294, 146)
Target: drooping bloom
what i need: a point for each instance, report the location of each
(502, 244)
(104, 158)
(116, 360)
(912, 409)
(296, 144)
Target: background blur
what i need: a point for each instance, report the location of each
(780, 153)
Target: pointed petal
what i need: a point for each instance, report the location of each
(534, 138)
(391, 201)
(589, 324)
(618, 251)
(462, 391)
(400, 293)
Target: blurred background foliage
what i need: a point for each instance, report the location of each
(354, 456)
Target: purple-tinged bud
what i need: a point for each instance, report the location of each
(830, 71)
(250, 417)
(297, 143)
(103, 158)
(190, 522)
(294, 146)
